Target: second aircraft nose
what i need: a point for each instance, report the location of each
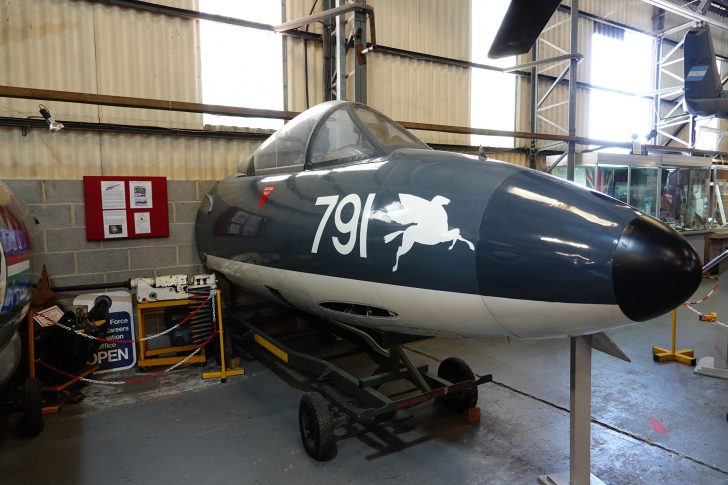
(655, 269)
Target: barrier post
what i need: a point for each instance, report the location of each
(684, 356)
(223, 373)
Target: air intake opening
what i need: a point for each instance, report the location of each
(357, 309)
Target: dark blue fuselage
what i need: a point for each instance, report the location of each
(535, 237)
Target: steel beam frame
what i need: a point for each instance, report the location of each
(336, 45)
(570, 159)
(538, 108)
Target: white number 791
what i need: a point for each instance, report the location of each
(345, 227)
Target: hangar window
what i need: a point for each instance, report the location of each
(492, 93)
(241, 66)
(706, 140)
(621, 61)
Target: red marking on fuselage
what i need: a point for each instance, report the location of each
(19, 257)
(267, 190)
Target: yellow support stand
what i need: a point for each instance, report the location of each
(223, 373)
(148, 358)
(684, 356)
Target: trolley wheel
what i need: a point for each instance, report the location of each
(32, 408)
(454, 370)
(317, 430)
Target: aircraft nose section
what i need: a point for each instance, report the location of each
(655, 269)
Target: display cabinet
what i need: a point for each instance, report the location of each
(675, 188)
(720, 189)
(633, 179)
(685, 201)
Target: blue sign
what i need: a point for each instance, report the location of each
(112, 355)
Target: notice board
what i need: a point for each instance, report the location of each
(125, 207)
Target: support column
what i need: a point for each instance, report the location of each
(329, 46)
(658, 99)
(340, 54)
(572, 89)
(534, 105)
(658, 25)
(360, 59)
(580, 419)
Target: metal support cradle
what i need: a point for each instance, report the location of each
(341, 398)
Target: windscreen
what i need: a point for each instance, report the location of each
(388, 133)
(286, 149)
(340, 140)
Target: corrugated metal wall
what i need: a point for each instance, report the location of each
(79, 46)
(403, 89)
(634, 13)
(516, 158)
(86, 47)
(147, 55)
(48, 44)
(296, 60)
(411, 90)
(72, 154)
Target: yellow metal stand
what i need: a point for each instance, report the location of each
(62, 387)
(684, 356)
(147, 357)
(223, 373)
(48, 409)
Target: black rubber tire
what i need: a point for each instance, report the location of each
(33, 422)
(317, 430)
(454, 370)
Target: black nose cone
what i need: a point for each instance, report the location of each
(655, 269)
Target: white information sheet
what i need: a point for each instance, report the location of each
(140, 194)
(141, 223)
(113, 194)
(115, 224)
(49, 316)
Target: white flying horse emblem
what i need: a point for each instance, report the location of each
(429, 224)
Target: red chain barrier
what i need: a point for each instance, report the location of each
(133, 380)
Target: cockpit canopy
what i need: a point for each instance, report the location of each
(329, 134)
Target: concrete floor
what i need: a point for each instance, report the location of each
(653, 423)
